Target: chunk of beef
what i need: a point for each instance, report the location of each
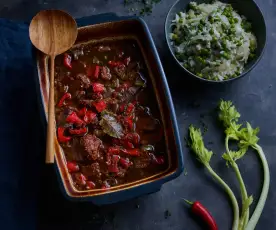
(120, 71)
(85, 81)
(87, 102)
(92, 145)
(143, 161)
(122, 172)
(80, 94)
(92, 170)
(104, 48)
(105, 73)
(73, 153)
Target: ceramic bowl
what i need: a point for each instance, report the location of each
(248, 8)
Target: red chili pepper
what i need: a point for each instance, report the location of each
(82, 112)
(113, 167)
(89, 117)
(126, 163)
(80, 178)
(98, 87)
(199, 210)
(74, 119)
(100, 105)
(72, 167)
(115, 63)
(131, 152)
(127, 61)
(90, 184)
(67, 61)
(114, 150)
(60, 135)
(122, 108)
(63, 98)
(80, 131)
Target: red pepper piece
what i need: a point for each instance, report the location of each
(114, 150)
(127, 61)
(131, 152)
(74, 119)
(114, 63)
(126, 163)
(129, 122)
(80, 131)
(63, 98)
(89, 117)
(113, 167)
(130, 109)
(90, 184)
(82, 112)
(100, 105)
(98, 87)
(122, 108)
(134, 138)
(60, 135)
(97, 71)
(72, 167)
(67, 61)
(199, 210)
(80, 179)
(93, 71)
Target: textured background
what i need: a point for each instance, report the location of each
(254, 96)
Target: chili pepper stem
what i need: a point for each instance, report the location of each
(188, 202)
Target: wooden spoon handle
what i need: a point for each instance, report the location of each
(51, 130)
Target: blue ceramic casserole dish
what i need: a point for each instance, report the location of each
(112, 27)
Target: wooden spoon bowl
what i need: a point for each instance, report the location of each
(52, 32)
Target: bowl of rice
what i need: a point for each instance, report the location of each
(216, 41)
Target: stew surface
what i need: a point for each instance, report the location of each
(108, 121)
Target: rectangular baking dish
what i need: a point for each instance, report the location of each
(119, 28)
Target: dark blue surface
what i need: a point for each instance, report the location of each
(19, 133)
(254, 96)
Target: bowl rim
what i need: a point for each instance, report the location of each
(204, 79)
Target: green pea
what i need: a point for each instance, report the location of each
(181, 20)
(236, 20)
(200, 75)
(185, 65)
(174, 36)
(211, 31)
(251, 56)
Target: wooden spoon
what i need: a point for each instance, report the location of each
(52, 32)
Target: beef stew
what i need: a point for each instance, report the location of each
(108, 121)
